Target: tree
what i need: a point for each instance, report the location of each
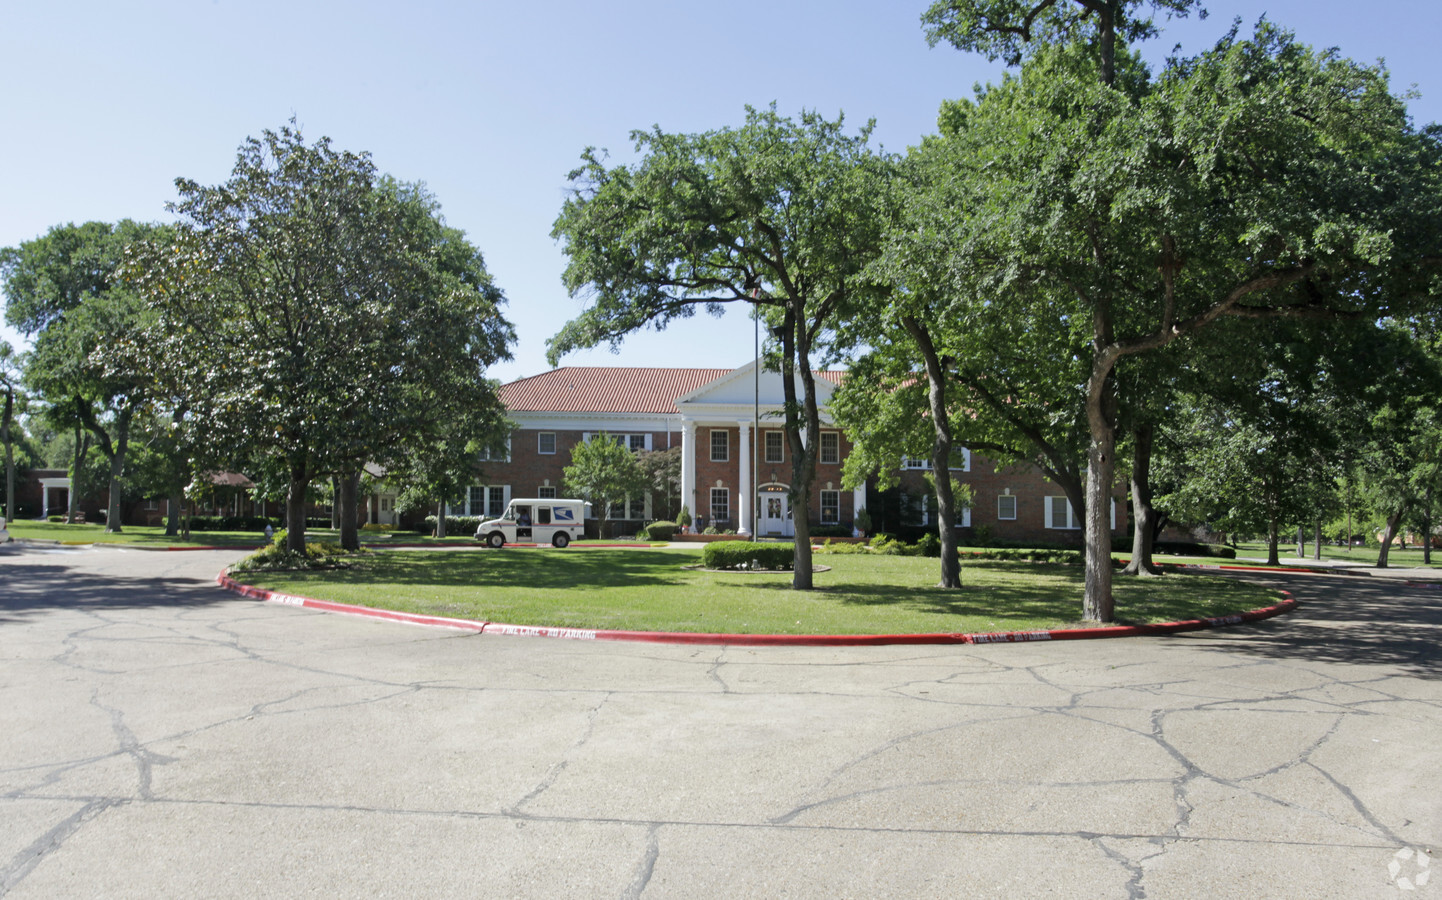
(10, 387)
(62, 291)
(603, 471)
(1258, 179)
(317, 314)
(662, 469)
(781, 214)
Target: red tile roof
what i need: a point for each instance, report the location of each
(611, 389)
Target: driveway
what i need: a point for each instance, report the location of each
(162, 737)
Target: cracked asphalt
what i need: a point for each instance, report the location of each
(163, 738)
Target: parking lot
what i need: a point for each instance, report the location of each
(163, 737)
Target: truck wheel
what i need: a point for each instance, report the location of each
(560, 540)
(496, 540)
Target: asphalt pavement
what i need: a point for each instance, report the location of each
(164, 738)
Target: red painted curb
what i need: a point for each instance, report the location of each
(761, 640)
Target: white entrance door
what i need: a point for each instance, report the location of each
(776, 516)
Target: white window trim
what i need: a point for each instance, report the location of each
(711, 441)
(766, 452)
(540, 450)
(821, 450)
(465, 509)
(1074, 523)
(837, 505)
(546, 492)
(626, 506)
(711, 504)
(1014, 507)
(962, 521)
(623, 436)
(487, 456)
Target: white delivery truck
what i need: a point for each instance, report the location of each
(536, 521)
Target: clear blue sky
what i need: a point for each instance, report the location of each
(491, 104)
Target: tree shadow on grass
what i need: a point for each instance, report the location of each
(503, 569)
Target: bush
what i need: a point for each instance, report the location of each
(456, 524)
(981, 535)
(55, 519)
(1191, 548)
(317, 555)
(826, 531)
(888, 544)
(233, 523)
(929, 545)
(378, 527)
(742, 554)
(842, 549)
(1039, 554)
(658, 531)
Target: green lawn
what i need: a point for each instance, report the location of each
(648, 590)
(144, 535)
(1362, 556)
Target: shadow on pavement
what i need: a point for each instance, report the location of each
(1357, 620)
(34, 588)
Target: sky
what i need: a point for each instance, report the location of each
(491, 104)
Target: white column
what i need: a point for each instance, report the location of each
(688, 467)
(858, 501)
(746, 490)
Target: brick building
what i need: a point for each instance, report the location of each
(736, 466)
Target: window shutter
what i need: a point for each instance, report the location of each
(648, 440)
(965, 517)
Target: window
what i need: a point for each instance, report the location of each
(930, 513)
(720, 445)
(629, 508)
(720, 504)
(546, 493)
(1006, 507)
(546, 443)
(830, 447)
(632, 442)
(543, 515)
(775, 447)
(497, 454)
(960, 461)
(484, 500)
(830, 507)
(1059, 514)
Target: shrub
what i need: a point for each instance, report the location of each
(743, 554)
(232, 523)
(929, 545)
(981, 535)
(55, 519)
(842, 549)
(1190, 548)
(456, 524)
(888, 544)
(378, 527)
(826, 531)
(658, 531)
(317, 555)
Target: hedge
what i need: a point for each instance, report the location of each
(658, 531)
(1192, 548)
(457, 524)
(743, 554)
(241, 523)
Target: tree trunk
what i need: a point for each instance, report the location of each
(72, 503)
(6, 421)
(796, 362)
(1317, 541)
(1394, 522)
(1144, 515)
(172, 512)
(117, 469)
(1426, 531)
(1301, 543)
(441, 520)
(1273, 538)
(335, 502)
(1098, 605)
(940, 454)
(349, 489)
(295, 510)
